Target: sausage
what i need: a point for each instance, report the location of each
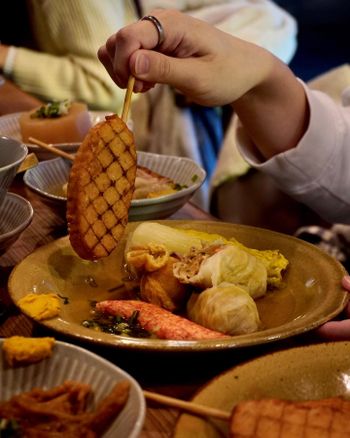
(160, 322)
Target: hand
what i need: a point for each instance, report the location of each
(338, 330)
(213, 68)
(207, 65)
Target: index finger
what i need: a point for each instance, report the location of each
(140, 35)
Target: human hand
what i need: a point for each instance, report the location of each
(338, 330)
(207, 65)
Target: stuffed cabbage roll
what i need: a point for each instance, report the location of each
(181, 241)
(225, 308)
(217, 263)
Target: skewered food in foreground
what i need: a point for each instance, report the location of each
(100, 189)
(269, 418)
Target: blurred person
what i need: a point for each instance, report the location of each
(59, 62)
(297, 135)
(58, 57)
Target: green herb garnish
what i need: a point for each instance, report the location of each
(52, 110)
(117, 325)
(194, 178)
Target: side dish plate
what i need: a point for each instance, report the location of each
(312, 293)
(303, 373)
(70, 362)
(9, 125)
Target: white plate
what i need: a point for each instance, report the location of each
(9, 126)
(69, 362)
(48, 177)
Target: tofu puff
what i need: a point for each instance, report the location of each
(153, 266)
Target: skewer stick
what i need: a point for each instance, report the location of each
(127, 100)
(51, 148)
(190, 407)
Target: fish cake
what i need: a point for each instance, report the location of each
(100, 188)
(273, 418)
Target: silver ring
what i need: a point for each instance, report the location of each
(158, 26)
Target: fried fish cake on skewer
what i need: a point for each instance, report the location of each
(100, 188)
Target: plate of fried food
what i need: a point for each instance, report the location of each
(63, 124)
(163, 183)
(49, 386)
(182, 286)
(298, 392)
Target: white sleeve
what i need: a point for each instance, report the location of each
(317, 171)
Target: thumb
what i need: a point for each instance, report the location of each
(150, 66)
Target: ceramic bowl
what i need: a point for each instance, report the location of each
(16, 214)
(70, 362)
(48, 178)
(12, 153)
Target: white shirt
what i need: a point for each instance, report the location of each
(317, 171)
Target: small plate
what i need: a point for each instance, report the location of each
(311, 296)
(70, 362)
(48, 178)
(16, 213)
(9, 126)
(302, 373)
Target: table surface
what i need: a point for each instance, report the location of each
(178, 375)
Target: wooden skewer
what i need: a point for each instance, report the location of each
(127, 100)
(51, 148)
(190, 407)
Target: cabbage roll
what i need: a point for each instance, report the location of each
(226, 308)
(216, 264)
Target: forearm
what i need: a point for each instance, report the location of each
(275, 112)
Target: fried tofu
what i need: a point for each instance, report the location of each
(100, 189)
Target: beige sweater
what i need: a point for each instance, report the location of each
(68, 34)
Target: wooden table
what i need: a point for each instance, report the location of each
(178, 375)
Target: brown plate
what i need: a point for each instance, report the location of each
(303, 373)
(311, 296)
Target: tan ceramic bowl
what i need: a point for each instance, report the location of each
(311, 296)
(303, 373)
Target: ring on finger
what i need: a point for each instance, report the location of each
(158, 25)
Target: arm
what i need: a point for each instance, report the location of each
(213, 68)
(276, 111)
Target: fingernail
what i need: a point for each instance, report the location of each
(142, 65)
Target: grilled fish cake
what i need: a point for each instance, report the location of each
(100, 188)
(271, 418)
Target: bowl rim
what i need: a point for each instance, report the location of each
(24, 150)
(25, 223)
(183, 193)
